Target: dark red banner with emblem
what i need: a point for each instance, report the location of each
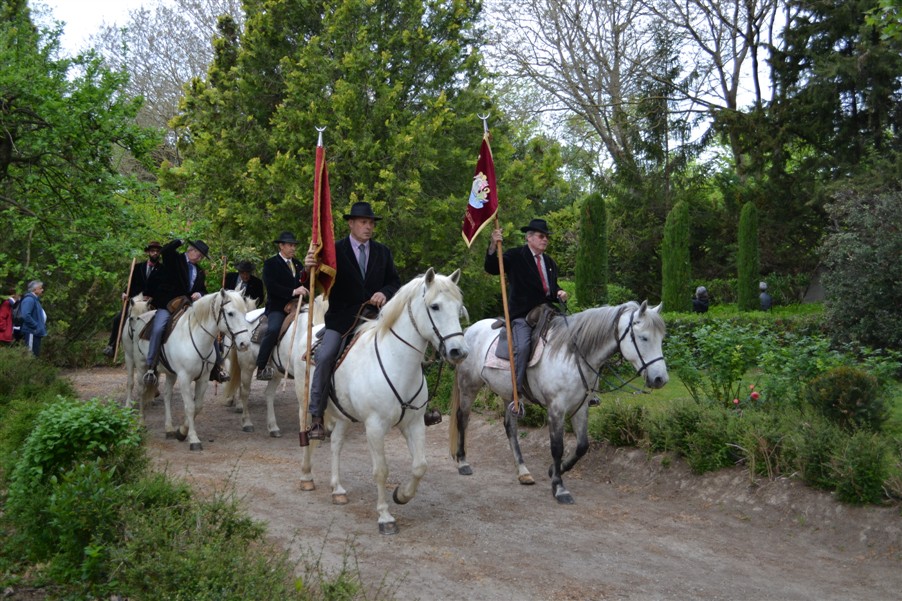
(323, 238)
(482, 204)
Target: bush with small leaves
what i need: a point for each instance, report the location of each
(860, 467)
(850, 397)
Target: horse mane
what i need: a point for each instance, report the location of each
(593, 327)
(206, 305)
(394, 308)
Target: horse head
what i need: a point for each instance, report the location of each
(437, 317)
(640, 336)
(230, 308)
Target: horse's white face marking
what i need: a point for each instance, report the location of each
(642, 343)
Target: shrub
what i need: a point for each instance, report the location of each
(675, 264)
(67, 433)
(621, 424)
(850, 397)
(592, 253)
(708, 445)
(860, 467)
(813, 444)
(747, 262)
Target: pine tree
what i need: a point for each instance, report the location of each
(747, 260)
(675, 266)
(592, 253)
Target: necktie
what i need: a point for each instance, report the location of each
(192, 273)
(291, 267)
(149, 268)
(361, 259)
(542, 273)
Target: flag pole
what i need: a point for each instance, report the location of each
(507, 320)
(304, 440)
(131, 273)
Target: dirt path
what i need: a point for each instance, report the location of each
(638, 530)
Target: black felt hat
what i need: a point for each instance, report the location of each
(537, 225)
(201, 246)
(153, 244)
(286, 237)
(245, 266)
(362, 209)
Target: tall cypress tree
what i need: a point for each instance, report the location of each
(592, 253)
(747, 260)
(675, 266)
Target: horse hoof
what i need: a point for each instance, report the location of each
(564, 498)
(526, 479)
(307, 485)
(388, 528)
(465, 470)
(237, 409)
(170, 435)
(196, 446)
(275, 434)
(394, 496)
(179, 436)
(247, 429)
(339, 499)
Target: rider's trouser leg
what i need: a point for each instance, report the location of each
(522, 342)
(274, 321)
(160, 321)
(326, 353)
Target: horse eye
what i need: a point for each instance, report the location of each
(434, 306)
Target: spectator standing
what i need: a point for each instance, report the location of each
(700, 301)
(245, 282)
(766, 300)
(34, 319)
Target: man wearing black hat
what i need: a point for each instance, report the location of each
(365, 278)
(531, 281)
(179, 275)
(138, 285)
(245, 282)
(283, 276)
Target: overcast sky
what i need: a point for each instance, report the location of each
(83, 18)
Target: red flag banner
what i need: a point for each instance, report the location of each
(483, 202)
(323, 230)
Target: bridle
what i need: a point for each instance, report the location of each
(220, 317)
(631, 331)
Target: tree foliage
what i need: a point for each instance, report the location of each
(592, 254)
(747, 263)
(676, 271)
(863, 278)
(66, 124)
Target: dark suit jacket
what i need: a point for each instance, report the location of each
(253, 288)
(140, 279)
(350, 290)
(524, 284)
(170, 280)
(279, 282)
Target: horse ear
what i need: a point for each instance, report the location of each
(430, 275)
(455, 276)
(643, 307)
(658, 308)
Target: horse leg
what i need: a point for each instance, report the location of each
(375, 436)
(194, 404)
(337, 440)
(415, 434)
(171, 432)
(272, 425)
(463, 392)
(510, 426)
(580, 423)
(556, 433)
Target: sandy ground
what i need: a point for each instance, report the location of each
(639, 530)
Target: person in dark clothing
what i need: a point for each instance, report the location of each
(34, 319)
(766, 300)
(700, 301)
(245, 282)
(531, 281)
(283, 277)
(140, 278)
(178, 275)
(365, 278)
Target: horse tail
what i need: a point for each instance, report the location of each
(452, 417)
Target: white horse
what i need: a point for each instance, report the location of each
(187, 355)
(564, 379)
(380, 382)
(243, 363)
(137, 306)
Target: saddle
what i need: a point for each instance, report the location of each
(539, 319)
(177, 308)
(260, 329)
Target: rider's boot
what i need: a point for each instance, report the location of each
(317, 428)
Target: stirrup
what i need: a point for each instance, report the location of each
(150, 378)
(317, 429)
(432, 417)
(265, 373)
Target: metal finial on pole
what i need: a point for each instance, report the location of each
(485, 124)
(319, 141)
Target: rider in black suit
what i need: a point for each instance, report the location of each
(140, 277)
(245, 281)
(368, 280)
(283, 276)
(179, 275)
(528, 286)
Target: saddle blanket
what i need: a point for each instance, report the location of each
(493, 362)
